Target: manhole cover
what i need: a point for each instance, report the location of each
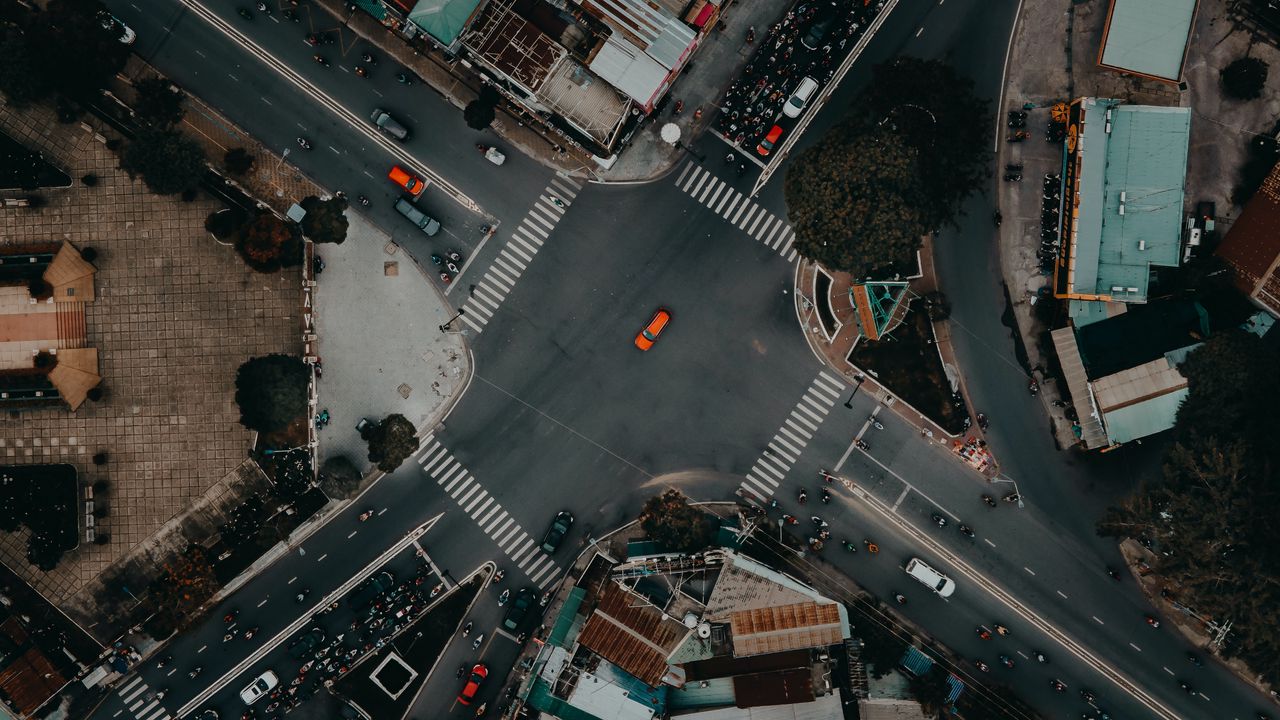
(404, 391)
(391, 268)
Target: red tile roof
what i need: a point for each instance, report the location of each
(629, 632)
(1252, 245)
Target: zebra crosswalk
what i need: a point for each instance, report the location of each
(139, 699)
(523, 245)
(738, 209)
(792, 437)
(523, 550)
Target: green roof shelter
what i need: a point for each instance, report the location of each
(1148, 38)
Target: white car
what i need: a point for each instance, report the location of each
(110, 22)
(935, 580)
(263, 684)
(800, 98)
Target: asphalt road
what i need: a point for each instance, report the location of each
(565, 414)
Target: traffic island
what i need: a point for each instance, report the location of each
(386, 682)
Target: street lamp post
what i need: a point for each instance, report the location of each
(1002, 479)
(445, 327)
(849, 403)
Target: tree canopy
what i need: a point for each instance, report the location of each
(1210, 517)
(482, 111)
(899, 165)
(671, 521)
(168, 161)
(158, 102)
(1245, 78)
(20, 77)
(269, 243)
(177, 597)
(339, 478)
(72, 49)
(390, 441)
(325, 221)
(271, 391)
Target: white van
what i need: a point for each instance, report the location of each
(936, 581)
(800, 98)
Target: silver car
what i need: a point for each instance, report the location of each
(389, 125)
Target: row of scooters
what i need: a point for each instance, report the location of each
(1049, 221)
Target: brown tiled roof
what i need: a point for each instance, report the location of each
(786, 627)
(629, 632)
(70, 275)
(30, 678)
(1252, 245)
(75, 374)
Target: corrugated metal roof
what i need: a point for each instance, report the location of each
(631, 633)
(628, 68)
(443, 20)
(1064, 342)
(826, 707)
(1148, 37)
(789, 627)
(660, 34)
(1140, 152)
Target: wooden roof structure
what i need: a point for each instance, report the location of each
(70, 275)
(75, 374)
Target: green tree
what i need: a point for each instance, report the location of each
(339, 478)
(158, 102)
(325, 221)
(482, 111)
(390, 441)
(269, 243)
(1245, 78)
(176, 598)
(238, 161)
(900, 164)
(168, 161)
(849, 200)
(224, 223)
(20, 79)
(76, 48)
(672, 522)
(271, 392)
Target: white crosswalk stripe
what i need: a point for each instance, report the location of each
(440, 465)
(523, 244)
(771, 468)
(698, 183)
(140, 700)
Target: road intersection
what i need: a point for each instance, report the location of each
(564, 414)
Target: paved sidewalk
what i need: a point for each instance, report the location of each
(378, 318)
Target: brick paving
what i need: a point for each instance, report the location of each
(175, 315)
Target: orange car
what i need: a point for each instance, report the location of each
(766, 145)
(414, 184)
(650, 333)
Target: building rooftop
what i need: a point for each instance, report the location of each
(1147, 37)
(443, 20)
(1132, 164)
(1142, 400)
(1143, 334)
(1252, 245)
(826, 707)
(628, 631)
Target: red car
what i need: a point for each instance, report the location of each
(650, 333)
(478, 673)
(410, 182)
(766, 145)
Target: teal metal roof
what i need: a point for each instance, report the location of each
(1137, 152)
(1148, 417)
(443, 20)
(1148, 37)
